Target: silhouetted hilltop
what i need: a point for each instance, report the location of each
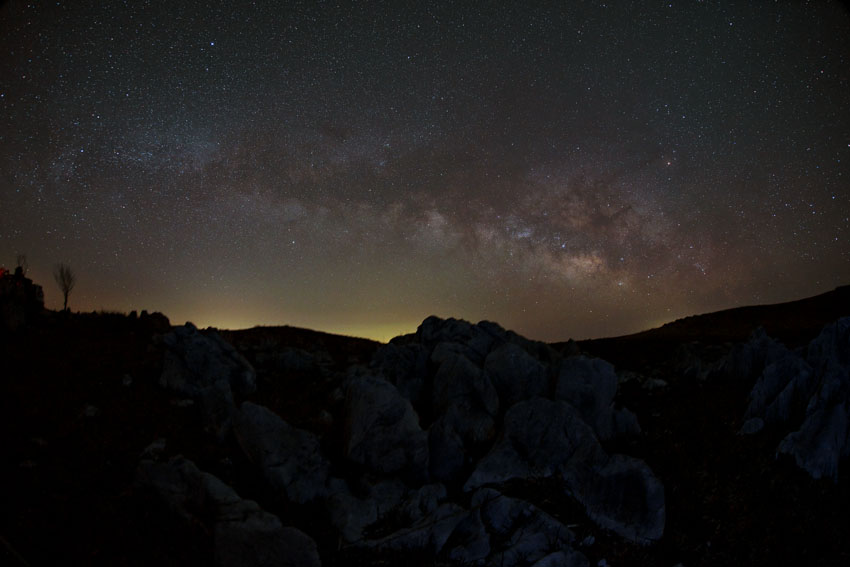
(343, 350)
(794, 323)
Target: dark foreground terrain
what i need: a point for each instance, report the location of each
(82, 406)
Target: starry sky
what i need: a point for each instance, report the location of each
(567, 169)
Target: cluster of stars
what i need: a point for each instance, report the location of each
(565, 169)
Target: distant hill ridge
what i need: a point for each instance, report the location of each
(794, 321)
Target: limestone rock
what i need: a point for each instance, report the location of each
(823, 439)
(447, 453)
(243, 533)
(784, 385)
(747, 360)
(348, 513)
(751, 426)
(589, 384)
(515, 374)
(205, 368)
(507, 531)
(290, 459)
(473, 341)
(469, 543)
(434, 330)
(622, 495)
(463, 394)
(247, 535)
(544, 438)
(429, 534)
(405, 366)
(831, 348)
(817, 380)
(381, 428)
(539, 438)
(352, 513)
(385, 500)
(195, 360)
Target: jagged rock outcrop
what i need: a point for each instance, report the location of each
(784, 386)
(464, 376)
(503, 531)
(814, 381)
(405, 366)
(243, 534)
(435, 421)
(194, 360)
(381, 430)
(427, 534)
(462, 394)
(348, 513)
(206, 369)
(352, 513)
(290, 459)
(589, 385)
(515, 374)
(544, 438)
(824, 436)
(447, 452)
(387, 500)
(621, 494)
(747, 360)
(473, 341)
(539, 439)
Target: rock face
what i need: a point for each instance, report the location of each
(206, 369)
(824, 436)
(785, 385)
(539, 439)
(429, 433)
(506, 531)
(290, 459)
(462, 394)
(814, 382)
(589, 385)
(381, 429)
(515, 374)
(747, 360)
(530, 412)
(405, 366)
(426, 534)
(544, 438)
(447, 453)
(196, 360)
(243, 533)
(623, 495)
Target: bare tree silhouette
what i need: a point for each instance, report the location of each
(66, 279)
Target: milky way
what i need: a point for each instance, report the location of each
(569, 170)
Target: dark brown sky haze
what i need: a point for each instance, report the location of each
(568, 169)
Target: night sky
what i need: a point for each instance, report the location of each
(567, 169)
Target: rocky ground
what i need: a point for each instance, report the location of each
(129, 442)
